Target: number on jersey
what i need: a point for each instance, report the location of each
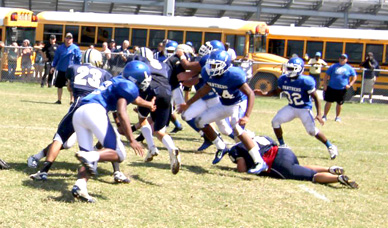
(294, 98)
(88, 76)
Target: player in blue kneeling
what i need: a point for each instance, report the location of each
(91, 119)
(282, 163)
(236, 98)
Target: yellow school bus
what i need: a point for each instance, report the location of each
(332, 42)
(16, 25)
(247, 38)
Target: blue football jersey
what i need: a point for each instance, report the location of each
(109, 93)
(298, 90)
(85, 78)
(227, 86)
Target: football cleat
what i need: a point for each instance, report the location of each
(151, 154)
(82, 195)
(175, 161)
(336, 170)
(324, 118)
(219, 155)
(3, 164)
(337, 119)
(40, 176)
(176, 129)
(343, 179)
(206, 144)
(119, 177)
(333, 151)
(32, 162)
(259, 167)
(91, 166)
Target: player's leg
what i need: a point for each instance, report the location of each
(177, 99)
(284, 115)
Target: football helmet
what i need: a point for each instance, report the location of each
(294, 67)
(170, 48)
(218, 63)
(210, 46)
(145, 52)
(92, 56)
(139, 73)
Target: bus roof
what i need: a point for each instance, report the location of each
(168, 21)
(325, 32)
(4, 11)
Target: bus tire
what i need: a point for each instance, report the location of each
(266, 82)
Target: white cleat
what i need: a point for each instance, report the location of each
(32, 162)
(175, 161)
(333, 151)
(153, 152)
(119, 177)
(336, 170)
(82, 194)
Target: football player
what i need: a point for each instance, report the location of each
(235, 95)
(83, 79)
(283, 163)
(91, 119)
(299, 90)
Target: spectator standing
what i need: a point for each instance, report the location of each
(66, 55)
(112, 48)
(48, 55)
(106, 55)
(120, 60)
(26, 59)
(159, 54)
(370, 75)
(316, 68)
(230, 51)
(12, 61)
(39, 62)
(338, 78)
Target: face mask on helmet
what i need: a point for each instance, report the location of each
(294, 67)
(218, 63)
(92, 56)
(169, 49)
(210, 46)
(139, 73)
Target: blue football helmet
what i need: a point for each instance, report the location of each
(138, 73)
(294, 67)
(210, 46)
(170, 48)
(218, 63)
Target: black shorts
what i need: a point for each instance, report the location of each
(334, 95)
(60, 80)
(162, 114)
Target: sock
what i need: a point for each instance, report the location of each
(140, 138)
(133, 128)
(39, 155)
(192, 124)
(255, 154)
(281, 141)
(46, 166)
(146, 131)
(219, 143)
(93, 156)
(328, 144)
(177, 123)
(168, 143)
(116, 166)
(81, 183)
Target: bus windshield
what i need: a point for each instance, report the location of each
(257, 43)
(18, 34)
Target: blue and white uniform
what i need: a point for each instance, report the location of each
(84, 79)
(91, 118)
(298, 92)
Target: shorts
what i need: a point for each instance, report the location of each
(334, 95)
(368, 85)
(60, 80)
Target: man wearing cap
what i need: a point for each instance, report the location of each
(315, 69)
(370, 64)
(67, 54)
(338, 78)
(230, 51)
(48, 55)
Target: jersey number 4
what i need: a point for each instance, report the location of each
(227, 95)
(294, 98)
(86, 76)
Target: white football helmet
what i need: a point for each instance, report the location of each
(92, 56)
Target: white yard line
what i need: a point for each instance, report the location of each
(314, 193)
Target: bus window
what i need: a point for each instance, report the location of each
(237, 43)
(212, 36)
(87, 35)
(176, 36)
(313, 47)
(73, 29)
(377, 50)
(121, 34)
(104, 34)
(139, 37)
(195, 38)
(333, 51)
(18, 34)
(295, 47)
(155, 37)
(354, 52)
(52, 30)
(276, 47)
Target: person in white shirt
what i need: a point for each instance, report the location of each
(316, 67)
(230, 51)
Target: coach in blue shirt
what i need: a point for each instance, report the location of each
(338, 78)
(67, 54)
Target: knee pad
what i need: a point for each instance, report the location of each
(121, 151)
(313, 132)
(275, 123)
(198, 123)
(238, 130)
(70, 142)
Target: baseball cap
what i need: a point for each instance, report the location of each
(189, 43)
(69, 35)
(112, 41)
(53, 36)
(318, 54)
(344, 56)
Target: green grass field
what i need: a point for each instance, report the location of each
(201, 194)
